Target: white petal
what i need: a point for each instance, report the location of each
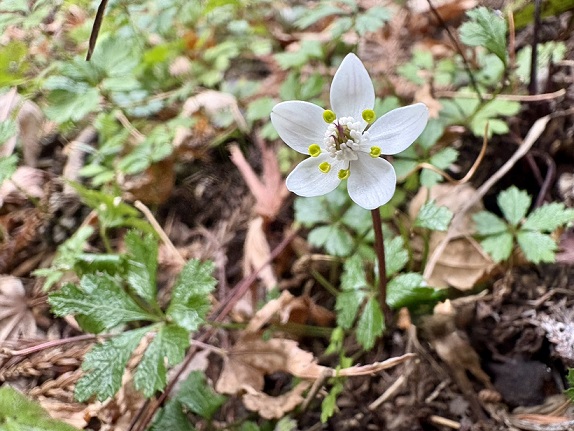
(352, 89)
(307, 180)
(372, 181)
(299, 124)
(397, 130)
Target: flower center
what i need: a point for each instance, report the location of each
(343, 138)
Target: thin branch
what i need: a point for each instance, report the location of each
(96, 28)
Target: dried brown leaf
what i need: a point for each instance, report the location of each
(25, 183)
(463, 263)
(252, 358)
(16, 318)
(270, 407)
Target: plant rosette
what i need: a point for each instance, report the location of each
(346, 143)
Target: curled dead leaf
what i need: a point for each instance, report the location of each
(26, 183)
(16, 318)
(270, 407)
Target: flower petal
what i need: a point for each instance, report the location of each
(299, 124)
(352, 89)
(397, 130)
(372, 181)
(307, 180)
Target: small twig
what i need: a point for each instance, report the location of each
(548, 179)
(511, 41)
(317, 385)
(512, 97)
(439, 420)
(151, 219)
(531, 137)
(459, 50)
(391, 390)
(54, 343)
(138, 136)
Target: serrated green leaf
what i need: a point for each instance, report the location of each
(329, 403)
(371, 324)
(347, 306)
(396, 256)
(486, 29)
(514, 204)
(322, 11)
(18, 413)
(260, 108)
(172, 418)
(8, 166)
(433, 217)
(406, 290)
(488, 223)
(333, 238)
(444, 158)
(310, 211)
(199, 397)
(358, 219)
(105, 365)
(570, 378)
(429, 178)
(353, 284)
(372, 20)
(169, 346)
(100, 300)
(67, 106)
(190, 298)
(142, 264)
(8, 128)
(498, 246)
(537, 247)
(308, 50)
(549, 217)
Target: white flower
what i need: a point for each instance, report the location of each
(338, 144)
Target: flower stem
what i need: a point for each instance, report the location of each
(380, 250)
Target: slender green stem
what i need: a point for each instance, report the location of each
(380, 250)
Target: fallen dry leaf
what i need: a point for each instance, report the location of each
(213, 103)
(29, 121)
(26, 183)
(463, 262)
(16, 318)
(270, 407)
(252, 358)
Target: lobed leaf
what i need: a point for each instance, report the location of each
(167, 347)
(100, 300)
(537, 247)
(142, 264)
(486, 29)
(433, 217)
(105, 365)
(407, 290)
(549, 217)
(489, 224)
(371, 324)
(514, 204)
(498, 246)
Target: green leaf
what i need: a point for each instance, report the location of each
(537, 247)
(8, 166)
(105, 365)
(406, 290)
(311, 211)
(72, 106)
(260, 109)
(444, 158)
(13, 64)
(308, 50)
(199, 397)
(486, 29)
(18, 413)
(372, 20)
(172, 418)
(433, 217)
(8, 128)
(333, 238)
(489, 224)
(371, 324)
(322, 11)
(169, 346)
(69, 252)
(570, 378)
(396, 255)
(100, 300)
(549, 217)
(190, 298)
(329, 404)
(142, 264)
(498, 246)
(514, 204)
(353, 284)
